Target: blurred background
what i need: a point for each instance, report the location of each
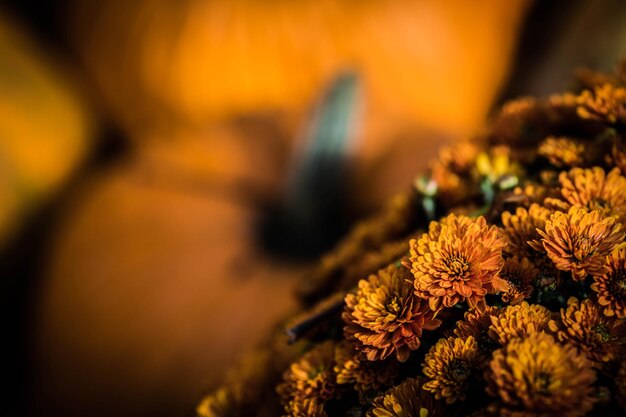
(169, 169)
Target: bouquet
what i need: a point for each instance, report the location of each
(494, 286)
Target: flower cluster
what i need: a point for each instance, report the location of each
(511, 303)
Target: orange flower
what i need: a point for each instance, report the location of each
(457, 260)
(519, 274)
(537, 374)
(310, 378)
(519, 321)
(562, 151)
(593, 189)
(605, 103)
(611, 286)
(406, 400)
(385, 317)
(584, 326)
(579, 240)
(367, 376)
(476, 324)
(521, 227)
(449, 366)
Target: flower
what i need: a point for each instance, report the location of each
(407, 399)
(562, 151)
(449, 366)
(519, 321)
(367, 376)
(476, 324)
(497, 163)
(579, 240)
(593, 189)
(617, 158)
(583, 326)
(521, 227)
(537, 374)
(611, 286)
(520, 275)
(605, 103)
(385, 317)
(307, 407)
(450, 170)
(310, 378)
(457, 260)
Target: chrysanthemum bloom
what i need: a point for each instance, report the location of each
(531, 193)
(450, 170)
(611, 286)
(497, 163)
(537, 374)
(307, 407)
(520, 275)
(521, 227)
(477, 324)
(407, 399)
(583, 326)
(449, 366)
(579, 241)
(519, 321)
(367, 376)
(606, 104)
(562, 151)
(618, 155)
(593, 189)
(458, 260)
(384, 317)
(312, 377)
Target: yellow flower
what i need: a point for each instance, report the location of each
(458, 260)
(562, 151)
(537, 374)
(605, 103)
(367, 376)
(449, 366)
(611, 286)
(519, 321)
(307, 407)
(406, 400)
(384, 317)
(497, 163)
(310, 378)
(579, 241)
(583, 326)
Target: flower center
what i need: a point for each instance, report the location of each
(602, 332)
(619, 282)
(459, 369)
(393, 306)
(542, 382)
(457, 266)
(515, 280)
(583, 248)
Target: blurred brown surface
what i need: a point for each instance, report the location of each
(150, 295)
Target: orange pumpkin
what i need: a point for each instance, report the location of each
(153, 291)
